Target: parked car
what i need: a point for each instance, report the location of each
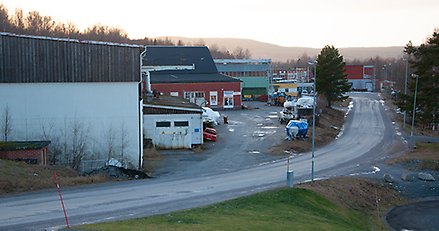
(209, 134)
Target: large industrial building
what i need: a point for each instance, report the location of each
(83, 96)
(255, 74)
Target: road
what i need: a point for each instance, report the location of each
(367, 138)
(420, 215)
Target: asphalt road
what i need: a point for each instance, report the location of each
(368, 137)
(416, 216)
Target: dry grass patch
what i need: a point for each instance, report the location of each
(372, 198)
(425, 156)
(21, 177)
(355, 193)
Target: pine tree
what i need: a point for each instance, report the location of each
(331, 77)
(425, 61)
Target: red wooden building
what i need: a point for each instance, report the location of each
(203, 85)
(31, 152)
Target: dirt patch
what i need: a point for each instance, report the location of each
(367, 196)
(21, 177)
(328, 125)
(356, 193)
(425, 156)
(151, 160)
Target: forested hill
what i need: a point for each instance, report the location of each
(281, 53)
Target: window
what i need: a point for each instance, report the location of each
(193, 94)
(213, 98)
(161, 124)
(199, 94)
(181, 123)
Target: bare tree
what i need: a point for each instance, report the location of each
(4, 19)
(180, 43)
(200, 42)
(79, 144)
(110, 143)
(18, 21)
(124, 141)
(55, 150)
(6, 123)
(240, 53)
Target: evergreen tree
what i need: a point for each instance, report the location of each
(425, 61)
(331, 77)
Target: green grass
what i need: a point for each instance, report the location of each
(284, 209)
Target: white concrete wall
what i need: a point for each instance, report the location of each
(174, 137)
(105, 113)
(361, 84)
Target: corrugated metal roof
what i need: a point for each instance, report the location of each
(29, 59)
(177, 55)
(190, 78)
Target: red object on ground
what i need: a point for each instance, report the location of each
(62, 201)
(209, 134)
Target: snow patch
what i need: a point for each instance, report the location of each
(375, 170)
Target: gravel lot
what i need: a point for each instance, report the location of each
(242, 143)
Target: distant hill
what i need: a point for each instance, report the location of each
(281, 53)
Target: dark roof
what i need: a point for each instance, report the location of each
(170, 105)
(37, 59)
(177, 55)
(158, 77)
(23, 145)
(173, 101)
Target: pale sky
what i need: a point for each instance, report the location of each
(304, 23)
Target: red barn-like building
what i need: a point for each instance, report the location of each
(361, 77)
(31, 152)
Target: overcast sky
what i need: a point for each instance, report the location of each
(305, 23)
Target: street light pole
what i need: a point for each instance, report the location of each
(414, 103)
(314, 63)
(405, 91)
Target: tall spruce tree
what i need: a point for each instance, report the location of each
(331, 77)
(425, 61)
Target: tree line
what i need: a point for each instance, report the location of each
(33, 23)
(424, 80)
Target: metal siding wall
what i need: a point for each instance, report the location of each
(2, 64)
(26, 59)
(96, 106)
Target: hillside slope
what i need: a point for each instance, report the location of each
(281, 53)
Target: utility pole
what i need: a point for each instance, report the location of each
(414, 103)
(314, 63)
(405, 90)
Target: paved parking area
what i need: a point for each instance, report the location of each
(241, 143)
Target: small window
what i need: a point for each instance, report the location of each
(162, 124)
(181, 123)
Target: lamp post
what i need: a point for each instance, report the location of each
(405, 90)
(414, 103)
(314, 63)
